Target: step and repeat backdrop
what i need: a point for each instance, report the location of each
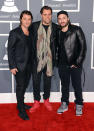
(81, 13)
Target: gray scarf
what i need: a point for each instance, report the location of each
(44, 54)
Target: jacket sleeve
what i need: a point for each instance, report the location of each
(11, 50)
(57, 47)
(83, 48)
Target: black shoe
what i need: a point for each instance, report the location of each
(27, 107)
(23, 115)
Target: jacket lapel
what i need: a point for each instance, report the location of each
(21, 35)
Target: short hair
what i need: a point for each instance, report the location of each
(62, 12)
(45, 8)
(26, 12)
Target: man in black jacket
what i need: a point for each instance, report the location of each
(71, 54)
(43, 52)
(19, 59)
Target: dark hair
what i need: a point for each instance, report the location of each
(45, 8)
(25, 12)
(62, 12)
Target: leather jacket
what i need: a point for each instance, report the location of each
(74, 45)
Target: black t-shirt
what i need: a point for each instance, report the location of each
(62, 56)
(46, 27)
(27, 39)
(28, 43)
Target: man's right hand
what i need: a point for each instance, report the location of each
(13, 71)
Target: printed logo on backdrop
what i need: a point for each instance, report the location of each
(11, 9)
(9, 6)
(3, 52)
(68, 5)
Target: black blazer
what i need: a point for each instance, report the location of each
(34, 31)
(18, 49)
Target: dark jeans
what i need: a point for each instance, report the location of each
(22, 81)
(65, 74)
(36, 85)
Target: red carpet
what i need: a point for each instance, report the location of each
(43, 120)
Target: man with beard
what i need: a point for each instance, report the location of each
(71, 54)
(43, 53)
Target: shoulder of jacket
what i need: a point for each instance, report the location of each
(75, 27)
(35, 23)
(54, 24)
(15, 30)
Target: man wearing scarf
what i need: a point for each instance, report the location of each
(43, 56)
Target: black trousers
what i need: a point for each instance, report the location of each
(22, 81)
(65, 74)
(36, 85)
